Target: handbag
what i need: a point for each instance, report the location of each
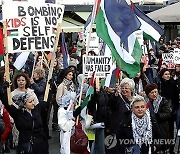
(79, 140)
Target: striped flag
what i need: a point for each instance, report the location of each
(12, 32)
(91, 85)
(113, 78)
(21, 60)
(151, 29)
(54, 30)
(115, 24)
(64, 51)
(90, 91)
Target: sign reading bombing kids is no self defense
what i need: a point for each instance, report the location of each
(31, 26)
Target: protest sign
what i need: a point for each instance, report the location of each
(177, 56)
(168, 59)
(31, 26)
(94, 43)
(100, 64)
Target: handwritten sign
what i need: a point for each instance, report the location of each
(100, 64)
(31, 26)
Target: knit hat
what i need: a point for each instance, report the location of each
(150, 87)
(71, 63)
(162, 72)
(73, 55)
(21, 98)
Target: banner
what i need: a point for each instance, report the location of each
(100, 64)
(31, 26)
(177, 56)
(168, 59)
(94, 43)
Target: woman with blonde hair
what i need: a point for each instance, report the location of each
(38, 83)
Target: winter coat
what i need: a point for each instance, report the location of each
(24, 124)
(39, 87)
(7, 123)
(125, 132)
(168, 89)
(162, 117)
(118, 108)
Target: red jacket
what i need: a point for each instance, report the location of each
(7, 122)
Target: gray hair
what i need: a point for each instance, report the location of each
(137, 98)
(128, 81)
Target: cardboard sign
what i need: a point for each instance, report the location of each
(177, 56)
(94, 43)
(100, 64)
(31, 26)
(168, 59)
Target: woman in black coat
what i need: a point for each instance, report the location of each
(38, 84)
(28, 122)
(138, 131)
(159, 109)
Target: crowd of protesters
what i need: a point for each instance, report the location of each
(142, 109)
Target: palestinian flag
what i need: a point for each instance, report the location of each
(113, 78)
(91, 85)
(54, 31)
(116, 25)
(151, 29)
(12, 32)
(89, 92)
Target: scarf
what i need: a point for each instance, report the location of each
(156, 103)
(126, 102)
(142, 129)
(69, 84)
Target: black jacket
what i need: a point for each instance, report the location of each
(125, 132)
(118, 108)
(24, 124)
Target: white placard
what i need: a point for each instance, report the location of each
(94, 43)
(100, 64)
(177, 56)
(168, 59)
(31, 26)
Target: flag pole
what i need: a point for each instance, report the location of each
(87, 49)
(35, 58)
(52, 62)
(87, 45)
(7, 62)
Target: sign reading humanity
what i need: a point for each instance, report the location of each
(100, 64)
(31, 27)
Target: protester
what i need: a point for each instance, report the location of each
(168, 89)
(140, 128)
(65, 97)
(38, 84)
(28, 122)
(140, 81)
(159, 109)
(21, 83)
(119, 103)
